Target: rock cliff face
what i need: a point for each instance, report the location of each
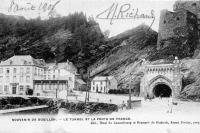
(190, 70)
(125, 60)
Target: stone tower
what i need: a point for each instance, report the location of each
(180, 24)
(191, 6)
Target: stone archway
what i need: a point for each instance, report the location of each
(162, 79)
(160, 85)
(162, 90)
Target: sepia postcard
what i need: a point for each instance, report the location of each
(96, 66)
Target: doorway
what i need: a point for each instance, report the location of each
(14, 89)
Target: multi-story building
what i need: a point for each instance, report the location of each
(22, 72)
(61, 71)
(102, 84)
(18, 72)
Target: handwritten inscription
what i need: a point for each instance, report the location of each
(125, 11)
(42, 7)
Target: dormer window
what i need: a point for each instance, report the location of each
(25, 62)
(11, 62)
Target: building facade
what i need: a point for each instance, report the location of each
(49, 87)
(80, 85)
(18, 72)
(61, 71)
(22, 72)
(162, 80)
(102, 84)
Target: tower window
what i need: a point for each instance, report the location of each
(194, 4)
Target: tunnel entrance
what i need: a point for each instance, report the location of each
(162, 90)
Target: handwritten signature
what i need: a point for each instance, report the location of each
(43, 6)
(125, 11)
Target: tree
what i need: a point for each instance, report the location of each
(106, 34)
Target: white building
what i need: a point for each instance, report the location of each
(103, 84)
(22, 72)
(50, 87)
(61, 71)
(18, 72)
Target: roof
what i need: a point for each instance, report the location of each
(103, 78)
(69, 66)
(23, 60)
(63, 78)
(160, 65)
(80, 81)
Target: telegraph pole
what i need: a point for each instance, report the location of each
(129, 87)
(129, 103)
(129, 97)
(87, 95)
(88, 86)
(56, 93)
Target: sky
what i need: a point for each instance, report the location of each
(92, 8)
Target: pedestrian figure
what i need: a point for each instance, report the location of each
(146, 97)
(150, 98)
(161, 95)
(110, 100)
(123, 105)
(170, 104)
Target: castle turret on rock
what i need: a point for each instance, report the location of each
(175, 25)
(179, 27)
(192, 6)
